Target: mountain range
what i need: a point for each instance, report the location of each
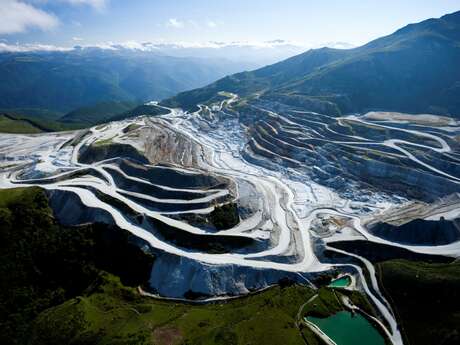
(60, 81)
(416, 70)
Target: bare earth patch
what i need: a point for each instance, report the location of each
(421, 119)
(166, 335)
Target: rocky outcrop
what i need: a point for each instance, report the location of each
(378, 252)
(69, 210)
(420, 232)
(180, 277)
(95, 153)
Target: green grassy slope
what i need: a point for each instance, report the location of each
(29, 123)
(108, 111)
(10, 196)
(11, 125)
(143, 109)
(98, 112)
(42, 264)
(118, 315)
(426, 298)
(34, 113)
(115, 314)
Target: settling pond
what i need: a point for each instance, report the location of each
(341, 282)
(344, 328)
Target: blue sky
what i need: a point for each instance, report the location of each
(89, 22)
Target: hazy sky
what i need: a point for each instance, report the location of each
(86, 22)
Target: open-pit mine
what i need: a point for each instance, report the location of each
(308, 192)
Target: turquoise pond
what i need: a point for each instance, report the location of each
(344, 328)
(341, 282)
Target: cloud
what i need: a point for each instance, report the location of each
(339, 45)
(147, 46)
(211, 24)
(174, 23)
(133, 45)
(16, 16)
(29, 47)
(161, 45)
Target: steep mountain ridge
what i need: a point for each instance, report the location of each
(413, 70)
